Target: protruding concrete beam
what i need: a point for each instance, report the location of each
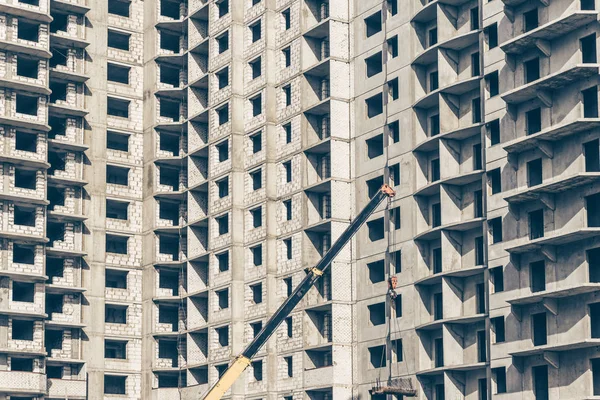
(547, 148)
(552, 358)
(545, 97)
(551, 305)
(548, 200)
(544, 46)
(549, 252)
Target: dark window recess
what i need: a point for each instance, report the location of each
(532, 70)
(30, 2)
(115, 314)
(21, 364)
(256, 217)
(494, 177)
(257, 370)
(536, 224)
(392, 7)
(117, 107)
(493, 128)
(59, 91)
(475, 64)
(115, 384)
(60, 22)
(593, 258)
(438, 306)
(499, 375)
(436, 215)
(54, 268)
(287, 56)
(256, 177)
(596, 376)
(373, 24)
(377, 313)
(25, 179)
(58, 126)
(114, 278)
(394, 131)
(434, 125)
(491, 34)
(480, 298)
(588, 49)
(57, 162)
(436, 260)
(256, 140)
(169, 109)
(26, 141)
(393, 89)
(256, 255)
(538, 322)
(376, 271)
(435, 170)
(169, 75)
(375, 146)
(27, 104)
(287, 95)
(432, 37)
(169, 9)
(117, 175)
(255, 31)
(169, 211)
(27, 67)
(587, 4)
(482, 389)
(289, 327)
(169, 280)
(119, 7)
(24, 216)
(23, 291)
(116, 244)
(23, 254)
(474, 14)
(169, 41)
(256, 328)
(22, 329)
(396, 217)
(438, 352)
(392, 45)
(498, 327)
(223, 186)
(287, 167)
(118, 73)
(256, 103)
(287, 20)
(54, 303)
(398, 306)
(476, 110)
(257, 296)
(397, 350)
(534, 121)
(223, 114)
(118, 40)
(59, 57)
(288, 248)
(117, 209)
(28, 30)
(376, 229)
(530, 20)
(256, 67)
(534, 172)
(171, 381)
(496, 228)
(289, 366)
(223, 7)
(540, 382)
(595, 320)
(481, 348)
(223, 224)
(374, 64)
(223, 298)
(288, 209)
(377, 356)
(223, 261)
(433, 81)
(54, 372)
(223, 77)
(591, 152)
(223, 42)
(169, 143)
(590, 102)
(477, 157)
(497, 274)
(478, 204)
(374, 105)
(221, 369)
(223, 150)
(479, 253)
(394, 172)
(493, 83)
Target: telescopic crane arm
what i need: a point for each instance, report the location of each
(243, 360)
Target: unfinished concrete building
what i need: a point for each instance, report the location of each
(172, 167)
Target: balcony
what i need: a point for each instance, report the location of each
(38, 14)
(540, 36)
(458, 273)
(462, 320)
(452, 368)
(543, 87)
(431, 143)
(63, 388)
(546, 191)
(547, 244)
(548, 297)
(22, 383)
(556, 348)
(76, 7)
(457, 43)
(318, 377)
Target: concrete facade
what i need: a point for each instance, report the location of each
(172, 167)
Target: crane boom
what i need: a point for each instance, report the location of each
(243, 360)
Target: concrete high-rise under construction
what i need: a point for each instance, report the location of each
(171, 168)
